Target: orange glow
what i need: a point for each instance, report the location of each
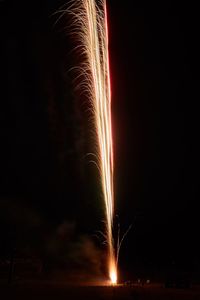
(113, 270)
(113, 277)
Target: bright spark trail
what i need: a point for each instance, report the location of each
(89, 25)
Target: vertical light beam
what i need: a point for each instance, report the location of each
(89, 25)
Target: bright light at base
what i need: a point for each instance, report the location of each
(112, 267)
(113, 277)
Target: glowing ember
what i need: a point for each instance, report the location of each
(89, 24)
(113, 274)
(113, 277)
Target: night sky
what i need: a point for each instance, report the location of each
(49, 192)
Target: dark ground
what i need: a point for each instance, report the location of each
(54, 291)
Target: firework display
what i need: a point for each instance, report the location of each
(89, 25)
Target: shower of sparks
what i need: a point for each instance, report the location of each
(89, 26)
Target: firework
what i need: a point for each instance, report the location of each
(89, 25)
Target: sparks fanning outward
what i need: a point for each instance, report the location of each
(89, 25)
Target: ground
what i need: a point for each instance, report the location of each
(62, 292)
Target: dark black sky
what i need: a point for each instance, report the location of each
(154, 55)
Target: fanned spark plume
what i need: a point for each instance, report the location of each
(89, 26)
